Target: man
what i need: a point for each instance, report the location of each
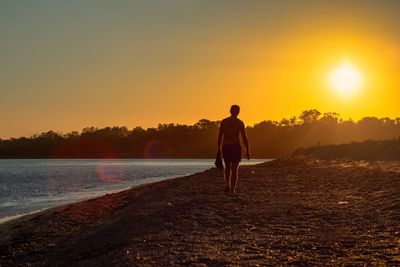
(228, 136)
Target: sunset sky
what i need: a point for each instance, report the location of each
(66, 65)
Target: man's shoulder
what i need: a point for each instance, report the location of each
(231, 120)
(225, 120)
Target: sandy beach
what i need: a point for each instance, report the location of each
(288, 211)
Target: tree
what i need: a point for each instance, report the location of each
(309, 116)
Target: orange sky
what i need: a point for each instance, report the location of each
(65, 66)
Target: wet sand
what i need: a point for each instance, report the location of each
(288, 211)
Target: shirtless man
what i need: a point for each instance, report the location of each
(229, 131)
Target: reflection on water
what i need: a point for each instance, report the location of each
(28, 185)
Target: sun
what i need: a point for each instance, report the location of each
(345, 79)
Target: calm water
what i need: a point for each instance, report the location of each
(30, 185)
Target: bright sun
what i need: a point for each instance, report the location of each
(345, 79)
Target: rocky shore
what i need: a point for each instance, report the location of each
(287, 211)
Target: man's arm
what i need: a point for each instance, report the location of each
(220, 135)
(245, 142)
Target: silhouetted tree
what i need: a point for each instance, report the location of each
(309, 116)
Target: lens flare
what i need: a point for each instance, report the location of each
(110, 171)
(157, 149)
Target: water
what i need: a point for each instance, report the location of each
(31, 185)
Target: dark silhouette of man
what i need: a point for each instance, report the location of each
(228, 136)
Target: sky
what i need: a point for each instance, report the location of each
(66, 65)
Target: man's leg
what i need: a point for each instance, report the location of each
(234, 178)
(227, 176)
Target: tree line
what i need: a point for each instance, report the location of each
(268, 139)
(371, 150)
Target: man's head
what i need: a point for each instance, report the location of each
(235, 109)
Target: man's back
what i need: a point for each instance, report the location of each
(231, 128)
(229, 131)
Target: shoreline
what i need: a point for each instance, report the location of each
(115, 157)
(286, 211)
(14, 217)
(74, 196)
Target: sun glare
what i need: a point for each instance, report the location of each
(345, 79)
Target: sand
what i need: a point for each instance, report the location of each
(288, 211)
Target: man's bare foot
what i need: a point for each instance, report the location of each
(227, 189)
